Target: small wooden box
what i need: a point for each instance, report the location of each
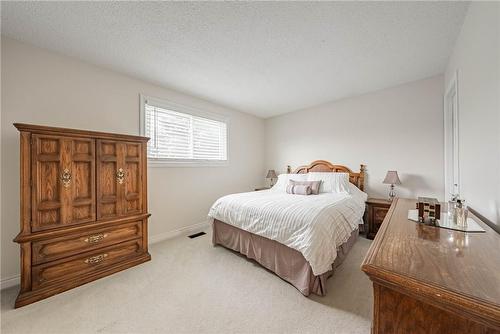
(429, 209)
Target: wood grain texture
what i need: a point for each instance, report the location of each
(144, 185)
(132, 186)
(78, 223)
(78, 265)
(54, 203)
(108, 192)
(400, 313)
(455, 272)
(43, 129)
(376, 210)
(55, 248)
(32, 296)
(358, 179)
(115, 197)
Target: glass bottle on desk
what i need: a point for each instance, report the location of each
(452, 207)
(461, 213)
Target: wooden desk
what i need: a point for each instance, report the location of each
(432, 280)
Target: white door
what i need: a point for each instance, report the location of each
(451, 140)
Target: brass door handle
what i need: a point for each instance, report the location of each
(92, 239)
(120, 176)
(96, 259)
(66, 178)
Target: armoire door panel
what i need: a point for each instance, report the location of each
(83, 183)
(107, 176)
(62, 181)
(46, 188)
(83, 188)
(133, 182)
(119, 172)
(107, 187)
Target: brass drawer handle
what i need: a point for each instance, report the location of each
(120, 176)
(66, 178)
(96, 259)
(92, 239)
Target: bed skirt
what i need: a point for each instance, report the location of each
(287, 263)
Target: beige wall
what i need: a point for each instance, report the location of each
(41, 87)
(477, 58)
(400, 128)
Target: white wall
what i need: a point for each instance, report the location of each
(477, 57)
(400, 128)
(41, 87)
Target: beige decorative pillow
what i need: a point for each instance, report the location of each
(298, 189)
(313, 184)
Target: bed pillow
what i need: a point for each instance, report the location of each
(283, 180)
(314, 185)
(331, 182)
(298, 189)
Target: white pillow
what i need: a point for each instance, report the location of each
(332, 182)
(283, 181)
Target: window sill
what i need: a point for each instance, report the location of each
(176, 164)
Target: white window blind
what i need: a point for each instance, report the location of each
(178, 136)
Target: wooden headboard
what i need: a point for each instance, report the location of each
(358, 179)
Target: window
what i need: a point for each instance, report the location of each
(180, 134)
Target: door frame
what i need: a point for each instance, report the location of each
(451, 137)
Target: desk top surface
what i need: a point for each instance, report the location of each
(467, 265)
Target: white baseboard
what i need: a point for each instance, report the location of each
(8, 282)
(181, 231)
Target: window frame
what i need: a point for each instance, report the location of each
(185, 110)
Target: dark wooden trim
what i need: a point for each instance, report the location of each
(25, 182)
(485, 220)
(144, 180)
(72, 132)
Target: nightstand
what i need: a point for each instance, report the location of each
(376, 209)
(263, 188)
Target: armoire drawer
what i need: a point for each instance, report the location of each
(85, 263)
(58, 248)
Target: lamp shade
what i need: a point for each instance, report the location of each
(392, 177)
(271, 174)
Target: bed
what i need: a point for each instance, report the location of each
(302, 239)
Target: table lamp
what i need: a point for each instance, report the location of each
(392, 178)
(271, 174)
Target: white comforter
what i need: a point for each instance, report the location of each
(314, 225)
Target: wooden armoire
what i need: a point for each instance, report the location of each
(84, 209)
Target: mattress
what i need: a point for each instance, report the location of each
(315, 226)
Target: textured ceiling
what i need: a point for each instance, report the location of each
(264, 58)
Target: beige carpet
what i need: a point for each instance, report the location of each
(192, 287)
